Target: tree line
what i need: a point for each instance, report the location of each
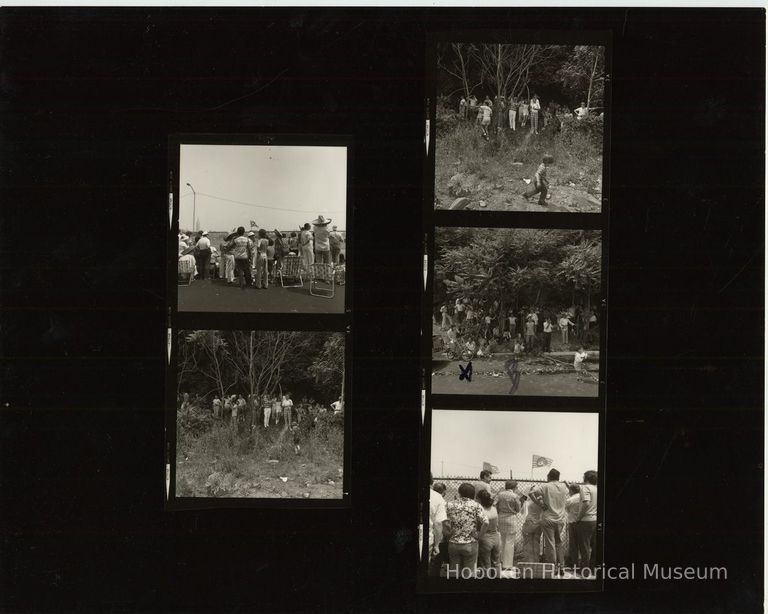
(512, 267)
(576, 73)
(217, 363)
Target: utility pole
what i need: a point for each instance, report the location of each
(194, 206)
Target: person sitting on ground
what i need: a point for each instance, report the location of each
(518, 348)
(471, 349)
(540, 182)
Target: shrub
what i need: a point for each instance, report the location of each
(579, 135)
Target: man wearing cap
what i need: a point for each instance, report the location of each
(322, 240)
(203, 255)
(335, 240)
(240, 248)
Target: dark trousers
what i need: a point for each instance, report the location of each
(585, 530)
(243, 267)
(541, 190)
(202, 259)
(547, 342)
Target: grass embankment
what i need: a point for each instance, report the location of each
(493, 172)
(217, 462)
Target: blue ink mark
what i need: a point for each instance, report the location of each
(466, 372)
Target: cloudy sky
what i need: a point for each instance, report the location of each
(276, 186)
(462, 440)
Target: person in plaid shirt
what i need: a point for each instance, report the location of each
(540, 182)
(468, 522)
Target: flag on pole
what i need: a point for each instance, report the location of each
(540, 461)
(489, 467)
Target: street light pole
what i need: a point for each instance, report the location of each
(194, 206)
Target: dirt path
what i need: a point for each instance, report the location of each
(483, 195)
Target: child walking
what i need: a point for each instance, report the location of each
(540, 181)
(296, 438)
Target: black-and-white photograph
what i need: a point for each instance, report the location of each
(260, 414)
(516, 311)
(513, 495)
(519, 127)
(262, 228)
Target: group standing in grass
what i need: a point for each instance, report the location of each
(508, 113)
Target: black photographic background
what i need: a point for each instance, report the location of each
(89, 97)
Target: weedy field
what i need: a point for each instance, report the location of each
(491, 175)
(214, 461)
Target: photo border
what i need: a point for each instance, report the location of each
(432, 219)
(319, 322)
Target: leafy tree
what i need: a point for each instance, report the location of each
(207, 353)
(584, 73)
(511, 267)
(580, 268)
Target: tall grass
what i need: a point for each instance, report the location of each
(461, 149)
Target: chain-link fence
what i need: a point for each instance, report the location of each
(452, 484)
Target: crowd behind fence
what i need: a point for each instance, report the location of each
(497, 485)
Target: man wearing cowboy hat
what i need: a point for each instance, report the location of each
(322, 240)
(336, 240)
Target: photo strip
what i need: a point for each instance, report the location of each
(262, 228)
(516, 311)
(519, 126)
(260, 321)
(513, 495)
(260, 414)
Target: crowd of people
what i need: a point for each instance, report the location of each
(504, 113)
(472, 329)
(255, 258)
(266, 410)
(482, 529)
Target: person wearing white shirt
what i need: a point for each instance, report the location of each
(586, 520)
(438, 519)
(535, 108)
(564, 322)
(582, 111)
(287, 404)
(547, 335)
(203, 255)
